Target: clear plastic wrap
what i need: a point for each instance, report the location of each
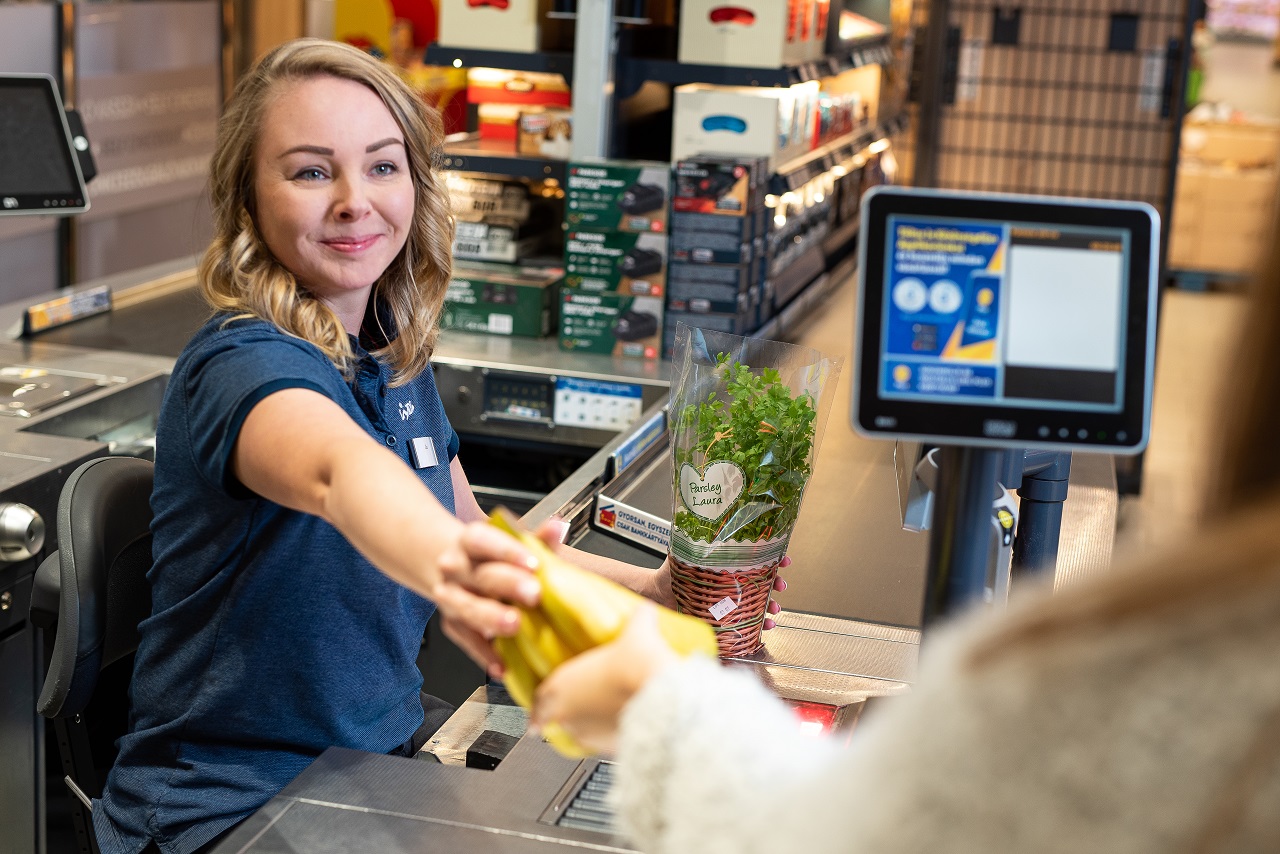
(747, 417)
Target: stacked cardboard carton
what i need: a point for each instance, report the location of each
(615, 256)
(1225, 198)
(719, 231)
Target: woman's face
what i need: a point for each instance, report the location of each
(333, 191)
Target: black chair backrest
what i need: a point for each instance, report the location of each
(99, 573)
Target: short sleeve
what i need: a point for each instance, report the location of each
(229, 374)
(454, 443)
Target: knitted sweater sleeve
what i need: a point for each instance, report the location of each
(710, 761)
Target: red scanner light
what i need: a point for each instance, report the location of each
(732, 15)
(497, 4)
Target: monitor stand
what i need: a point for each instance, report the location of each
(960, 538)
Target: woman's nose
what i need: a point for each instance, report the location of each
(351, 202)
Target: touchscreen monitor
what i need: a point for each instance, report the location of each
(39, 172)
(1007, 321)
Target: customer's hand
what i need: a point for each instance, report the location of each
(586, 694)
(482, 575)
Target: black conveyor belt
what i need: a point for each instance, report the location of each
(161, 326)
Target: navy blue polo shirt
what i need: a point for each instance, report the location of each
(270, 638)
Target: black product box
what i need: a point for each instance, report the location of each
(611, 324)
(616, 262)
(708, 247)
(740, 276)
(742, 228)
(617, 195)
(719, 185)
(704, 297)
(735, 323)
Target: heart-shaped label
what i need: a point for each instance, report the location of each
(710, 495)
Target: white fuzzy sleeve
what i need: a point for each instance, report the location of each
(703, 751)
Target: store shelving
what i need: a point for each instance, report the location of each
(469, 153)
(466, 57)
(871, 51)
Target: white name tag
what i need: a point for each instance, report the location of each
(423, 451)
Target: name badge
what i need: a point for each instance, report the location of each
(424, 452)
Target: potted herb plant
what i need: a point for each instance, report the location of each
(745, 428)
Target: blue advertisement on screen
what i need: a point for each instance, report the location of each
(943, 307)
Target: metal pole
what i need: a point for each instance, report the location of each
(594, 46)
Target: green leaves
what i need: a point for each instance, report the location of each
(766, 431)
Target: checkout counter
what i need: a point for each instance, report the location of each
(848, 630)
(584, 429)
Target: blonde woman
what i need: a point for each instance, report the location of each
(310, 510)
(1140, 714)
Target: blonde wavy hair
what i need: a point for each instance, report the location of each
(240, 276)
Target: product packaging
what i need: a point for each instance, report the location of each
(747, 418)
(500, 299)
(618, 195)
(610, 324)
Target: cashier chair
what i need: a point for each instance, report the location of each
(89, 596)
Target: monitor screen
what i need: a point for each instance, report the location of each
(1012, 321)
(39, 172)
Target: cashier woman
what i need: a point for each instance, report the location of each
(301, 444)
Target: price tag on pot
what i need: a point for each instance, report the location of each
(710, 495)
(722, 608)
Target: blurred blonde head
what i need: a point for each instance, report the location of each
(238, 273)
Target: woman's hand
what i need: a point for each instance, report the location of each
(586, 694)
(481, 576)
(778, 586)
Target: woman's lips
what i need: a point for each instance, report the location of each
(351, 244)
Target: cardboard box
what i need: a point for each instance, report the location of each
(520, 26)
(709, 247)
(704, 297)
(775, 123)
(744, 228)
(1242, 144)
(752, 33)
(611, 324)
(740, 276)
(618, 195)
(477, 199)
(491, 241)
(491, 24)
(616, 262)
(498, 299)
(521, 88)
(545, 132)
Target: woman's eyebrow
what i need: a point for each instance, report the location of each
(328, 152)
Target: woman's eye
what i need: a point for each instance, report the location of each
(311, 173)
(385, 169)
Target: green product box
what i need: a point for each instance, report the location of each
(501, 299)
(618, 195)
(616, 262)
(611, 324)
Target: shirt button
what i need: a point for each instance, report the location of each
(391, 441)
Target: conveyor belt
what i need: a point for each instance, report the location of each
(161, 326)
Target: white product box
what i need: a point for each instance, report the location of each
(490, 24)
(776, 123)
(750, 33)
